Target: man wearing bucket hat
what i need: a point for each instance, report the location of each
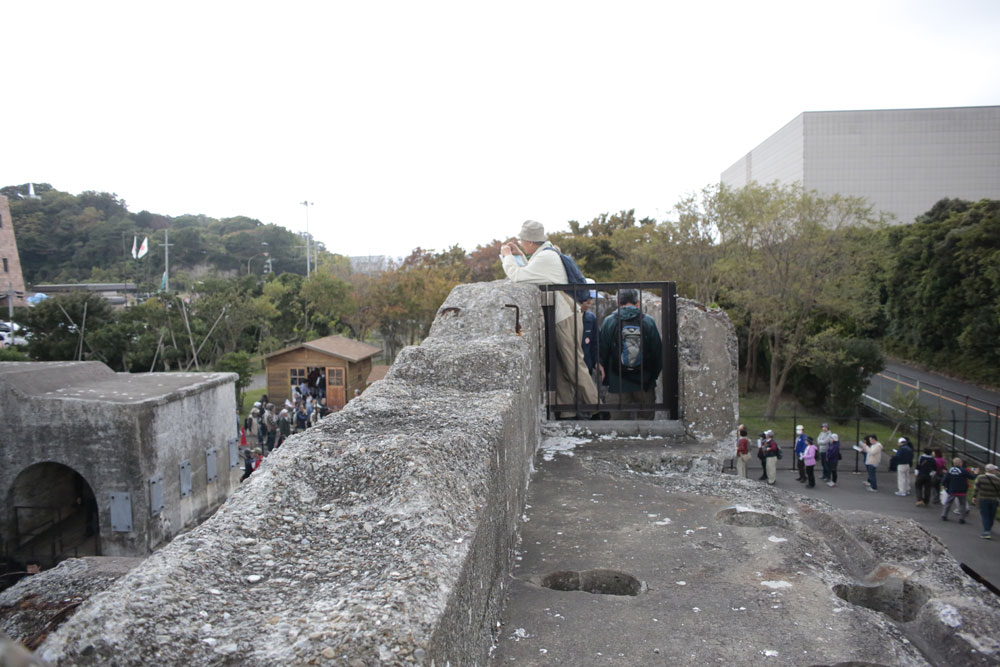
(573, 382)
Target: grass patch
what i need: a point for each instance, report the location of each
(251, 397)
(790, 413)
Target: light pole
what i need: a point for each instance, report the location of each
(307, 204)
(264, 254)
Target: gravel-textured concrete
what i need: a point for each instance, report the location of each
(382, 536)
(734, 572)
(386, 534)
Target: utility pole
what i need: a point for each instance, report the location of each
(307, 204)
(10, 308)
(166, 260)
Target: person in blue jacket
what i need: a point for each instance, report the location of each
(956, 482)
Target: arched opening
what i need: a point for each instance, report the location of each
(52, 515)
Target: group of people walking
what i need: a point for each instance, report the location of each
(933, 480)
(824, 451)
(268, 427)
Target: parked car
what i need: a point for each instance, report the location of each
(7, 338)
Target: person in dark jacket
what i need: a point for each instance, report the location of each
(589, 342)
(988, 498)
(631, 354)
(904, 465)
(833, 457)
(956, 483)
(926, 468)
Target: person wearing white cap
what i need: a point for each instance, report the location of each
(904, 464)
(800, 451)
(573, 382)
(771, 455)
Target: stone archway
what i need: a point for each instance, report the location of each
(52, 514)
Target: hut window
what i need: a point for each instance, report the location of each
(335, 377)
(296, 376)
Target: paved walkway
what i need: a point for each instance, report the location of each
(682, 565)
(963, 541)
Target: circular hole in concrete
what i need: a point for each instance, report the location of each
(743, 516)
(601, 582)
(896, 598)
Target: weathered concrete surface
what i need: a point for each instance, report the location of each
(736, 573)
(708, 359)
(39, 603)
(118, 431)
(382, 536)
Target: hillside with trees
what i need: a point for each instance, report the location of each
(817, 286)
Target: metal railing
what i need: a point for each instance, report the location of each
(668, 389)
(965, 425)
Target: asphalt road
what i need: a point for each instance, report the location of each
(968, 412)
(963, 541)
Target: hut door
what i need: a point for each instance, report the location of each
(335, 395)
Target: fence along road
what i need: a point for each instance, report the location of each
(968, 414)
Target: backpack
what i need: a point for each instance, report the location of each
(573, 276)
(631, 343)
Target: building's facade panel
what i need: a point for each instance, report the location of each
(901, 160)
(779, 158)
(11, 280)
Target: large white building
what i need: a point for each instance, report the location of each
(901, 160)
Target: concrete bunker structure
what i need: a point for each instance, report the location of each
(94, 462)
(385, 535)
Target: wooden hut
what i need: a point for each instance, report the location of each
(333, 367)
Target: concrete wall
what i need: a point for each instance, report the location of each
(385, 535)
(118, 431)
(901, 160)
(11, 278)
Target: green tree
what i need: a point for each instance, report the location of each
(782, 250)
(65, 327)
(241, 364)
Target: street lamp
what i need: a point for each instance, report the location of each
(264, 254)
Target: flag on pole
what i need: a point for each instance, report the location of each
(134, 251)
(163, 282)
(143, 249)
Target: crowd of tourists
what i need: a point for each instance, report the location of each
(931, 478)
(266, 427)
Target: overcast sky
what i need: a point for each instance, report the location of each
(438, 123)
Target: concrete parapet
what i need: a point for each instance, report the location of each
(708, 357)
(385, 535)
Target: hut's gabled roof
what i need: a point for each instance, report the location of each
(337, 346)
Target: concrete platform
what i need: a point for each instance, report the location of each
(731, 571)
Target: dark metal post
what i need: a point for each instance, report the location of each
(668, 338)
(550, 351)
(954, 427)
(857, 434)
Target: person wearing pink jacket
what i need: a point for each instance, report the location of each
(809, 458)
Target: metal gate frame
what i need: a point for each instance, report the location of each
(668, 337)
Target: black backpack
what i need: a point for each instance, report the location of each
(573, 276)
